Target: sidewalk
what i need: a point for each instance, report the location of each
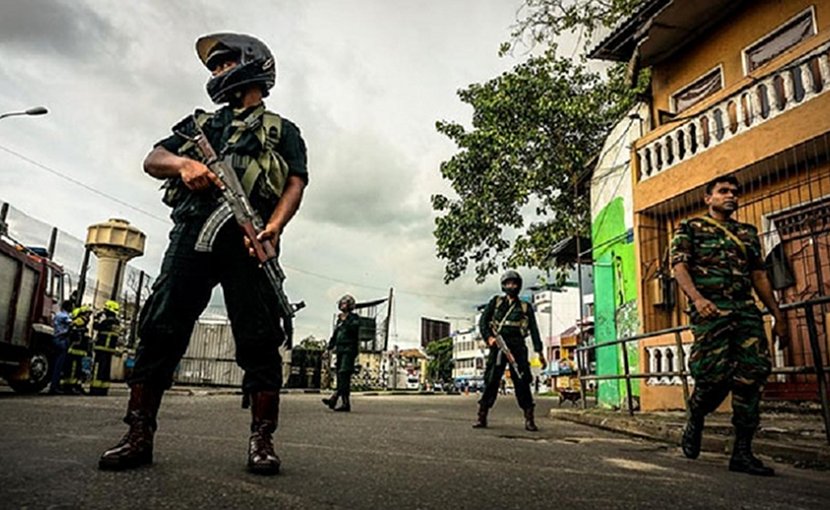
(787, 436)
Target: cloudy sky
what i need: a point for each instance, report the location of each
(364, 80)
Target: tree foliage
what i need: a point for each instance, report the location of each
(533, 131)
(543, 21)
(439, 367)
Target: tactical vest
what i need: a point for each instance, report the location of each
(523, 324)
(265, 175)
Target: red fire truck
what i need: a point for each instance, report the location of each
(31, 289)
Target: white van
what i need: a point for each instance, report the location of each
(413, 383)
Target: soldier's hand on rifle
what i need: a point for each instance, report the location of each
(197, 176)
(271, 234)
(491, 341)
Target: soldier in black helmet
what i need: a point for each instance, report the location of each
(513, 319)
(345, 342)
(269, 157)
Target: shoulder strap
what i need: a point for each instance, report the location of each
(504, 319)
(272, 128)
(735, 239)
(200, 117)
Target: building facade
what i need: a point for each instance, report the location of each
(737, 88)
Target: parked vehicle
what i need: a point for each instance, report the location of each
(31, 288)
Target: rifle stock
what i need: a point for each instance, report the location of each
(505, 350)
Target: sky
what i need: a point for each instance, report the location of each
(364, 80)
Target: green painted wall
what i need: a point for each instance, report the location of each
(615, 299)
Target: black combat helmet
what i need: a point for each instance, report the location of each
(511, 275)
(255, 64)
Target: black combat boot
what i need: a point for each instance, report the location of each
(346, 407)
(265, 411)
(742, 459)
(692, 435)
(530, 422)
(331, 402)
(136, 447)
(481, 423)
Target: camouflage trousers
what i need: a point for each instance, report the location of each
(730, 353)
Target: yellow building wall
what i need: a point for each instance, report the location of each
(724, 45)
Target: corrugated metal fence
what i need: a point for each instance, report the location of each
(209, 358)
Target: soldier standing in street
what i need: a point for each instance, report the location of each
(346, 344)
(269, 156)
(513, 319)
(717, 262)
(107, 329)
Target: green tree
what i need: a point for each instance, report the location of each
(439, 367)
(534, 130)
(543, 21)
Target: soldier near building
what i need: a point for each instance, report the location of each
(268, 155)
(107, 329)
(717, 262)
(346, 343)
(513, 319)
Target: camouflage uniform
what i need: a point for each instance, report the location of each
(730, 352)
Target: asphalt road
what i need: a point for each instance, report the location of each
(392, 452)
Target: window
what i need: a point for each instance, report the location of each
(797, 29)
(698, 90)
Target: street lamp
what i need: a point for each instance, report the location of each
(37, 110)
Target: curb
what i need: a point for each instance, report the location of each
(812, 456)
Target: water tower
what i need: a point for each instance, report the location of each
(114, 243)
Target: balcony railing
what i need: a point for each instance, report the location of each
(783, 90)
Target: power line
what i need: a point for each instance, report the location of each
(167, 222)
(84, 185)
(385, 289)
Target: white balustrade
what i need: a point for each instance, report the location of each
(764, 100)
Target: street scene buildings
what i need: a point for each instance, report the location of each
(724, 89)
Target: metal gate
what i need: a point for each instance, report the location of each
(210, 357)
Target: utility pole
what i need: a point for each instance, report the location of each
(388, 319)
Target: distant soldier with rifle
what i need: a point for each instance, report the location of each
(505, 324)
(234, 178)
(346, 343)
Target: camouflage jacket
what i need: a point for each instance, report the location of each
(720, 264)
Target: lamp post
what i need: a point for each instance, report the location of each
(37, 110)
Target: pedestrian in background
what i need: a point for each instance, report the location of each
(61, 324)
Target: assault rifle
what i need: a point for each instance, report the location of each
(504, 350)
(235, 204)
